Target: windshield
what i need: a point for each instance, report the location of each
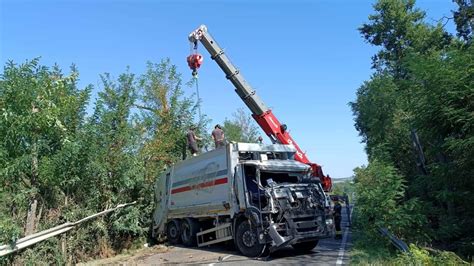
(266, 178)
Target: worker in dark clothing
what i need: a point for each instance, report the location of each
(218, 136)
(192, 139)
(348, 208)
(337, 218)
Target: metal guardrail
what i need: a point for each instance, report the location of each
(398, 243)
(43, 235)
(402, 246)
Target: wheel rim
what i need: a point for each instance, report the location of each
(249, 238)
(173, 231)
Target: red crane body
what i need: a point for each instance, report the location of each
(276, 131)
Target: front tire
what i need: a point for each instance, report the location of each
(246, 240)
(173, 232)
(305, 246)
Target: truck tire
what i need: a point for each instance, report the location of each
(173, 232)
(246, 240)
(189, 229)
(305, 246)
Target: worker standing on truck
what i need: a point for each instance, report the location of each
(218, 136)
(192, 139)
(337, 218)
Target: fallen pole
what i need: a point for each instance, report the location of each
(57, 230)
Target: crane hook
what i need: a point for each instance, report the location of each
(194, 62)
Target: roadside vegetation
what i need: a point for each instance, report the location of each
(416, 116)
(64, 156)
(344, 188)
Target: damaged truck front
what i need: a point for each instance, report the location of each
(258, 196)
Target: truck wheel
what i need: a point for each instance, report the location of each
(189, 229)
(246, 240)
(305, 246)
(173, 232)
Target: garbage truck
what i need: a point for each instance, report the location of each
(256, 195)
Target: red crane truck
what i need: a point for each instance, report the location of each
(265, 118)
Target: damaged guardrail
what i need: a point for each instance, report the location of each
(402, 246)
(57, 230)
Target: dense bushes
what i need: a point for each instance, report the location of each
(380, 203)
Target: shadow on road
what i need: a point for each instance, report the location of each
(328, 252)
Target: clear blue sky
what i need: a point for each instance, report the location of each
(306, 59)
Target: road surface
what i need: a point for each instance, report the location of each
(328, 252)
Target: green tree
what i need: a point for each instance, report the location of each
(241, 128)
(423, 84)
(442, 86)
(383, 122)
(165, 116)
(380, 199)
(398, 27)
(41, 113)
(344, 188)
(464, 19)
(115, 138)
(41, 110)
(58, 165)
(115, 171)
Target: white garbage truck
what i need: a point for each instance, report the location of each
(257, 195)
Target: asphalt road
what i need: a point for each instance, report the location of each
(328, 252)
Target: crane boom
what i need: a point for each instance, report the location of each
(264, 117)
(243, 89)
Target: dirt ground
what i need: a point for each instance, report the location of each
(130, 257)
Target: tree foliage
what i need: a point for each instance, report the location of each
(464, 19)
(241, 128)
(58, 164)
(423, 87)
(344, 188)
(398, 27)
(42, 111)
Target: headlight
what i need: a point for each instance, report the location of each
(328, 221)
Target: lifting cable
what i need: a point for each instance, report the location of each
(197, 94)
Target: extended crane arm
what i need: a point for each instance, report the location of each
(232, 73)
(261, 113)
